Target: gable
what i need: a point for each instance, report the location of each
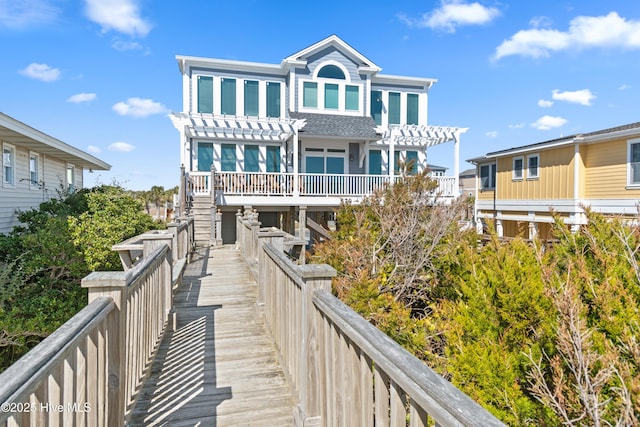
(332, 45)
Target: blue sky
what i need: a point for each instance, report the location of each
(101, 75)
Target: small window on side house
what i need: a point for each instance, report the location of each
(8, 165)
(488, 176)
(518, 168)
(34, 176)
(71, 178)
(634, 162)
(533, 166)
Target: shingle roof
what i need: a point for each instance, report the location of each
(337, 126)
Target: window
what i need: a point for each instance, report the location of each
(411, 162)
(331, 96)
(331, 72)
(228, 158)
(518, 168)
(412, 109)
(376, 106)
(273, 159)
(273, 99)
(310, 95)
(228, 96)
(375, 162)
(488, 176)
(9, 164)
(533, 166)
(251, 158)
(352, 98)
(634, 162)
(394, 108)
(71, 178)
(205, 94)
(34, 161)
(251, 100)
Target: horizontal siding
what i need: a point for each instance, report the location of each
(606, 171)
(555, 177)
(22, 196)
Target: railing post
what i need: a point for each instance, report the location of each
(113, 284)
(151, 242)
(238, 228)
(276, 238)
(182, 193)
(218, 238)
(255, 228)
(311, 375)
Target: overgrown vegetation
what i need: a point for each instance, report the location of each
(43, 260)
(539, 336)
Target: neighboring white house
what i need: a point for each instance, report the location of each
(322, 126)
(35, 166)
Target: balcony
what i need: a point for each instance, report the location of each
(348, 186)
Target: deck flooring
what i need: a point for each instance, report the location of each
(218, 367)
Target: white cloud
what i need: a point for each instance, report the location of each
(516, 126)
(582, 97)
(540, 22)
(81, 97)
(122, 16)
(24, 13)
(491, 134)
(548, 122)
(123, 45)
(544, 103)
(624, 87)
(137, 107)
(452, 14)
(584, 32)
(122, 147)
(93, 149)
(41, 72)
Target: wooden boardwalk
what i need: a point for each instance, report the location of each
(219, 367)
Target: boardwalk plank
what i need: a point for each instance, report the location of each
(219, 367)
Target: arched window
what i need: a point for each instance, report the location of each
(331, 72)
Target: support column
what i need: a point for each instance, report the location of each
(296, 165)
(499, 229)
(456, 164)
(218, 234)
(302, 227)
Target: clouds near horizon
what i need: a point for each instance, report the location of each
(138, 107)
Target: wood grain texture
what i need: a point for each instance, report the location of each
(218, 367)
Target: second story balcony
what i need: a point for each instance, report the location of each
(282, 188)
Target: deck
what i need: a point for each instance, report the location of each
(219, 366)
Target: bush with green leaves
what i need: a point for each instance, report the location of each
(43, 260)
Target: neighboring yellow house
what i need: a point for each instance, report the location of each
(518, 188)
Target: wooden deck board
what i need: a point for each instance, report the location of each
(219, 367)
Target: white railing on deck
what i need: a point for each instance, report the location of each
(343, 370)
(309, 184)
(88, 371)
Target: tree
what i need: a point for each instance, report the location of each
(112, 217)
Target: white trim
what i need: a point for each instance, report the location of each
(529, 174)
(493, 177)
(606, 206)
(630, 183)
(320, 66)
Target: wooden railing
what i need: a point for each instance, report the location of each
(88, 370)
(282, 184)
(343, 370)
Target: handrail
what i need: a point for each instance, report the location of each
(27, 378)
(442, 400)
(341, 368)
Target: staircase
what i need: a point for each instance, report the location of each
(201, 212)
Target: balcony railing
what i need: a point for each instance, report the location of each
(283, 184)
